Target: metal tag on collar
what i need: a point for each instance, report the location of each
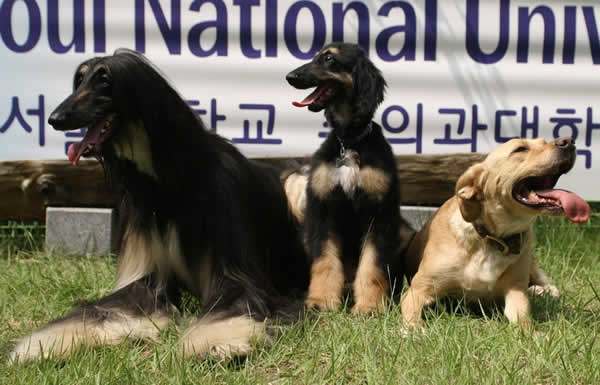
(503, 247)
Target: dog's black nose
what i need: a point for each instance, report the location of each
(56, 119)
(564, 142)
(291, 77)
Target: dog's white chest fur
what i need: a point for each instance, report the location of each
(485, 265)
(484, 269)
(347, 173)
(344, 172)
(347, 177)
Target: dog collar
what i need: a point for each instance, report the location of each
(352, 141)
(508, 245)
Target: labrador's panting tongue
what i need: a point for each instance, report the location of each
(92, 137)
(575, 208)
(310, 99)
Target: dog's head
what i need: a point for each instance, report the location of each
(516, 182)
(343, 75)
(90, 105)
(106, 98)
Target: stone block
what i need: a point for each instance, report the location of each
(81, 230)
(417, 216)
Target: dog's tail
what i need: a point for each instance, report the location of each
(293, 166)
(295, 179)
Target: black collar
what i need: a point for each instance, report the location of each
(352, 140)
(507, 245)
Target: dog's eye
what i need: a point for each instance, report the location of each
(328, 57)
(103, 80)
(101, 76)
(521, 149)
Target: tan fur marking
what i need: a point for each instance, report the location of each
(138, 257)
(344, 77)
(348, 78)
(370, 286)
(326, 177)
(326, 278)
(84, 68)
(98, 67)
(133, 143)
(205, 276)
(171, 258)
(374, 181)
(295, 190)
(330, 50)
(82, 94)
(321, 181)
(61, 338)
(143, 253)
(222, 338)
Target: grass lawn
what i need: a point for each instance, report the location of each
(461, 346)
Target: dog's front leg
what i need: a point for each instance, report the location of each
(516, 307)
(326, 277)
(415, 298)
(370, 285)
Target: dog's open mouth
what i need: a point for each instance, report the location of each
(96, 134)
(538, 192)
(318, 98)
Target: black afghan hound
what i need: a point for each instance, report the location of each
(196, 214)
(353, 229)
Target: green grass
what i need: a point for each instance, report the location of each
(461, 346)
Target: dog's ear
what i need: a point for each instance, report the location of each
(468, 192)
(369, 86)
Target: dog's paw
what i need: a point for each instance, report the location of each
(368, 308)
(538, 290)
(323, 304)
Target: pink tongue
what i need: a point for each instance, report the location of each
(311, 98)
(575, 208)
(92, 137)
(73, 152)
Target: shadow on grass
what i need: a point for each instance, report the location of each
(543, 309)
(20, 238)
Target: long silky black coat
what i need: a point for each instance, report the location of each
(197, 216)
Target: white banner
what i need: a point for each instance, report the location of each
(463, 76)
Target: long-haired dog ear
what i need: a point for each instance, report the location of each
(369, 86)
(468, 192)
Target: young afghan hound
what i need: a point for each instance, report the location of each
(348, 198)
(196, 215)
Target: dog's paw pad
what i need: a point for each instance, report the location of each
(538, 290)
(323, 304)
(365, 308)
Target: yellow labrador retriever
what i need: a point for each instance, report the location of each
(480, 243)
